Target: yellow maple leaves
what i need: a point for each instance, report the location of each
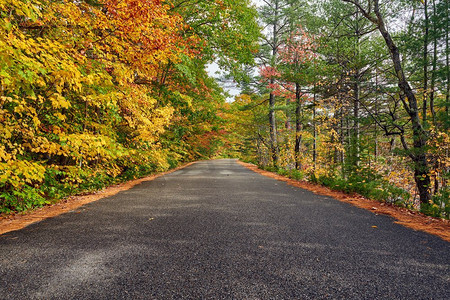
(88, 88)
(76, 85)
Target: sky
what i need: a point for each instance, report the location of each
(230, 88)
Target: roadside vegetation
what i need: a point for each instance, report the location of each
(353, 95)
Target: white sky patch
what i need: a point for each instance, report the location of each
(258, 3)
(229, 87)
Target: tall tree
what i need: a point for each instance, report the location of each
(297, 55)
(276, 23)
(372, 11)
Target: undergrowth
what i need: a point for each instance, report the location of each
(371, 185)
(59, 182)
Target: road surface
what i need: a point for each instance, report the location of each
(216, 230)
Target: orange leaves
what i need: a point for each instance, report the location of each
(144, 32)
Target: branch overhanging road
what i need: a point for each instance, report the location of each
(217, 230)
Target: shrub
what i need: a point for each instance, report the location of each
(20, 200)
(37, 185)
(439, 205)
(282, 172)
(296, 174)
(366, 183)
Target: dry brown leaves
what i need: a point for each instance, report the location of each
(405, 217)
(15, 222)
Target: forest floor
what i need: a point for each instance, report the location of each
(406, 217)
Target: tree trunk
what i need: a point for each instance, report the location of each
(447, 63)
(342, 154)
(298, 127)
(425, 62)
(287, 135)
(272, 121)
(376, 113)
(314, 129)
(355, 130)
(418, 155)
(434, 64)
(273, 131)
(354, 146)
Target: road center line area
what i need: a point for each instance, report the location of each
(216, 230)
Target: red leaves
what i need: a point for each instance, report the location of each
(294, 53)
(298, 49)
(268, 72)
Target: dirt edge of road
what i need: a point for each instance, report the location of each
(18, 221)
(403, 216)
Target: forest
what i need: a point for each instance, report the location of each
(350, 94)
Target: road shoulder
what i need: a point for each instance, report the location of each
(403, 216)
(18, 221)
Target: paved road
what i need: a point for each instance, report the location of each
(216, 230)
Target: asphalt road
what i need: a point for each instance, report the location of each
(216, 230)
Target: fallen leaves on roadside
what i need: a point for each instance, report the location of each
(403, 216)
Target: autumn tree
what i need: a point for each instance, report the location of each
(372, 12)
(296, 60)
(98, 91)
(273, 14)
